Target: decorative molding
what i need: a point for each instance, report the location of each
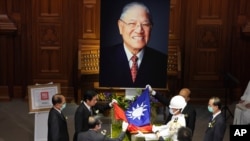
(245, 30)
(208, 37)
(6, 25)
(174, 61)
(91, 18)
(244, 24)
(50, 35)
(88, 60)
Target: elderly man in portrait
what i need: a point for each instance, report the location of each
(132, 63)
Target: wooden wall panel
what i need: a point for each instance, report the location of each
(48, 55)
(175, 57)
(175, 20)
(50, 8)
(89, 45)
(207, 61)
(175, 38)
(3, 9)
(54, 43)
(8, 58)
(91, 19)
(7, 34)
(210, 9)
(17, 11)
(207, 47)
(50, 52)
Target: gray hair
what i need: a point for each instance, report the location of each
(129, 6)
(216, 102)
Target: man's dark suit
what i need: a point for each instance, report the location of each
(57, 126)
(82, 115)
(115, 70)
(217, 131)
(92, 135)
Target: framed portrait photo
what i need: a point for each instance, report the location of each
(40, 96)
(134, 43)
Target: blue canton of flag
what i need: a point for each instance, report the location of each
(138, 112)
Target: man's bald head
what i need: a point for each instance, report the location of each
(185, 92)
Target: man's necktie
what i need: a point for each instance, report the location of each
(91, 112)
(211, 118)
(63, 116)
(134, 67)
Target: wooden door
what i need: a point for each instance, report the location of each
(207, 37)
(54, 43)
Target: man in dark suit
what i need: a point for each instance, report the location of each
(57, 125)
(116, 63)
(87, 108)
(217, 125)
(93, 133)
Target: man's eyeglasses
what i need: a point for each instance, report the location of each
(134, 25)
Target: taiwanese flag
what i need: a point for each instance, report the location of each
(138, 112)
(119, 113)
(137, 115)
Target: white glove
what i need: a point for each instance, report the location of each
(112, 102)
(140, 134)
(155, 129)
(104, 132)
(150, 89)
(124, 126)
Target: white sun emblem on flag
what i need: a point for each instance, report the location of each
(137, 111)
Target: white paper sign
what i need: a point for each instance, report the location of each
(40, 96)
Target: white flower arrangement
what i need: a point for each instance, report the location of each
(97, 111)
(211, 124)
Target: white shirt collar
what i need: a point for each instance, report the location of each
(87, 105)
(129, 55)
(216, 114)
(57, 109)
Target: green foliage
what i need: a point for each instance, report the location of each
(168, 139)
(124, 104)
(116, 130)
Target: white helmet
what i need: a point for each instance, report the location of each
(177, 102)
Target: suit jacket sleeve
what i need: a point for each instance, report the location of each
(161, 98)
(101, 107)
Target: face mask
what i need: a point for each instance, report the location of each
(210, 109)
(63, 106)
(172, 112)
